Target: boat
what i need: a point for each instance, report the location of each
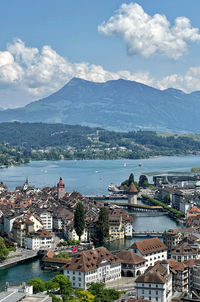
(140, 165)
(124, 164)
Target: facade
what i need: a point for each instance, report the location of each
(152, 250)
(128, 230)
(95, 265)
(132, 264)
(184, 251)
(180, 277)
(196, 277)
(40, 240)
(155, 284)
(46, 218)
(116, 229)
(8, 223)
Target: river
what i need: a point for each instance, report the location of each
(90, 177)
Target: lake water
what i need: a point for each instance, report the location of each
(90, 177)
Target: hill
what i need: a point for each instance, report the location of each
(114, 105)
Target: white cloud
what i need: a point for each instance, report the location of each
(27, 74)
(146, 35)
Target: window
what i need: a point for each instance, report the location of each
(73, 273)
(156, 298)
(79, 279)
(149, 291)
(156, 292)
(74, 278)
(79, 284)
(142, 291)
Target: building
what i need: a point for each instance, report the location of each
(46, 218)
(116, 228)
(152, 250)
(185, 251)
(61, 189)
(132, 194)
(156, 283)
(95, 265)
(22, 293)
(132, 264)
(180, 278)
(173, 237)
(196, 277)
(40, 240)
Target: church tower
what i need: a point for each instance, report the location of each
(61, 189)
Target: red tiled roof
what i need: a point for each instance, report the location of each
(149, 246)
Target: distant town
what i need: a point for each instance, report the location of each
(71, 233)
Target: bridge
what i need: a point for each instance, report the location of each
(147, 234)
(106, 197)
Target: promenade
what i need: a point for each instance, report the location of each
(21, 255)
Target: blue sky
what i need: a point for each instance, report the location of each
(43, 44)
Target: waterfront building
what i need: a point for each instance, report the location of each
(70, 233)
(95, 265)
(61, 189)
(156, 283)
(152, 250)
(132, 264)
(40, 240)
(191, 264)
(132, 194)
(116, 229)
(180, 277)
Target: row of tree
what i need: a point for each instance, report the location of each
(60, 289)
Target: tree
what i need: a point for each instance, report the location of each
(131, 179)
(54, 298)
(64, 284)
(166, 199)
(103, 225)
(51, 285)
(143, 181)
(38, 285)
(103, 295)
(85, 296)
(3, 250)
(79, 219)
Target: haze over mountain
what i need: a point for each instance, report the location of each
(116, 105)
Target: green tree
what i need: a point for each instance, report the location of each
(103, 295)
(38, 285)
(131, 179)
(65, 286)
(85, 296)
(166, 199)
(3, 250)
(51, 285)
(103, 225)
(54, 298)
(79, 219)
(143, 181)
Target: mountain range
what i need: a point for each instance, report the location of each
(115, 105)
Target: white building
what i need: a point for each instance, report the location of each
(8, 223)
(152, 250)
(39, 240)
(95, 265)
(128, 230)
(155, 284)
(70, 234)
(47, 220)
(132, 264)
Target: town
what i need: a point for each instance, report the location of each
(69, 231)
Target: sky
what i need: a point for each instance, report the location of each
(44, 44)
